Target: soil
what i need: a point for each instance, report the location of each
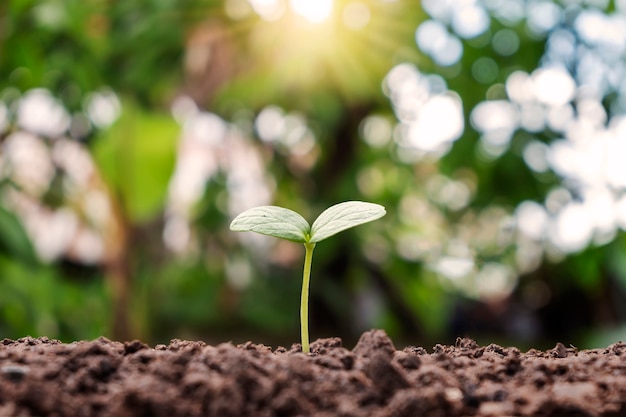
(42, 377)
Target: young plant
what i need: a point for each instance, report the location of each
(287, 224)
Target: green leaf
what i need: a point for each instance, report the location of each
(13, 238)
(273, 221)
(137, 156)
(343, 216)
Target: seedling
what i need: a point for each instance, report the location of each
(287, 224)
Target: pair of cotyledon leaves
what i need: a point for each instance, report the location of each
(287, 224)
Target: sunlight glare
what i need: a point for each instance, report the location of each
(269, 10)
(313, 11)
(356, 15)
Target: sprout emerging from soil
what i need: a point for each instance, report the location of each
(287, 224)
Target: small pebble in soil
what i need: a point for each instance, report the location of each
(14, 373)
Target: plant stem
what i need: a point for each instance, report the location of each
(304, 300)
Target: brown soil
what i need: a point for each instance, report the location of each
(41, 377)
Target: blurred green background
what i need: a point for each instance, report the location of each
(493, 131)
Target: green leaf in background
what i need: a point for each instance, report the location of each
(13, 239)
(137, 157)
(273, 221)
(343, 216)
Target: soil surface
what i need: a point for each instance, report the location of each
(42, 377)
